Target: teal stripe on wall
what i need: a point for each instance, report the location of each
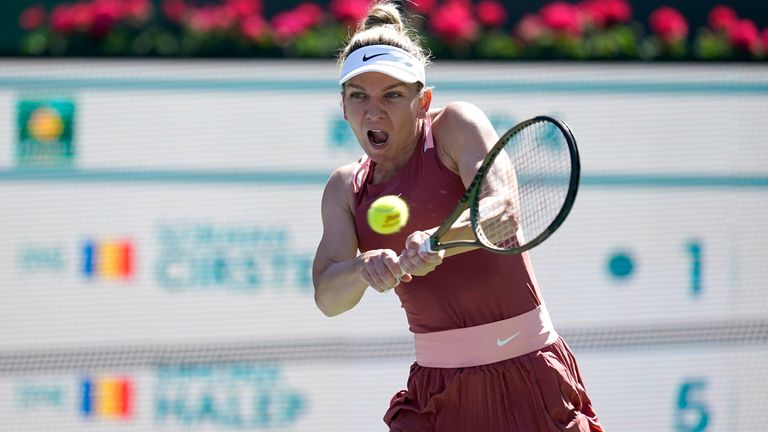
(235, 85)
(756, 180)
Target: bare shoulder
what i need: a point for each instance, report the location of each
(339, 190)
(459, 122)
(343, 174)
(458, 114)
(464, 135)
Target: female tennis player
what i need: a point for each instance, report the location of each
(528, 380)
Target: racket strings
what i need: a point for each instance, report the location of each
(525, 188)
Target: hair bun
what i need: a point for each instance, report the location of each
(385, 24)
(381, 14)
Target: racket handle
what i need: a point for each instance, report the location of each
(426, 246)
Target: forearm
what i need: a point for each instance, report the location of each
(339, 288)
(460, 230)
(496, 220)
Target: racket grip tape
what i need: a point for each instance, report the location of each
(426, 245)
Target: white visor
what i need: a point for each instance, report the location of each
(389, 60)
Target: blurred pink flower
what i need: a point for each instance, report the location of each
(138, 10)
(491, 13)
(242, 9)
(253, 27)
(67, 18)
(618, 11)
(210, 19)
(61, 21)
(105, 14)
(81, 14)
(310, 12)
(764, 38)
(668, 24)
(292, 23)
(175, 10)
(32, 17)
(530, 27)
(287, 25)
(562, 17)
(349, 11)
(604, 13)
(743, 35)
(453, 22)
(722, 17)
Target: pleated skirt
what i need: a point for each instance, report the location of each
(538, 392)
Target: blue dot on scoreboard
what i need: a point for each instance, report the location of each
(621, 266)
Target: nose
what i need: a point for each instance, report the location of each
(374, 111)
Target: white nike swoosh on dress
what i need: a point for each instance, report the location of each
(500, 342)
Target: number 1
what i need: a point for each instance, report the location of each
(694, 248)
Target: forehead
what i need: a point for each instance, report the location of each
(375, 81)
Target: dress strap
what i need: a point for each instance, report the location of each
(361, 174)
(429, 141)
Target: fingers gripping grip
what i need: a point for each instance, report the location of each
(425, 246)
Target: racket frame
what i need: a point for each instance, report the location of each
(469, 199)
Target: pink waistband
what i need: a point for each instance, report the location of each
(487, 343)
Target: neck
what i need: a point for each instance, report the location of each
(387, 169)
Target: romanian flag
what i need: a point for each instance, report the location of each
(107, 398)
(108, 259)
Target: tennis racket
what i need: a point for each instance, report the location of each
(522, 192)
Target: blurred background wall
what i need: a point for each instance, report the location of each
(158, 217)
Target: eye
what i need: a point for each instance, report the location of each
(393, 95)
(357, 95)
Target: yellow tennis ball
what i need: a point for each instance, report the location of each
(388, 214)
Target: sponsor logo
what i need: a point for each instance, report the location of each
(106, 398)
(102, 397)
(33, 259)
(207, 257)
(46, 130)
(36, 396)
(239, 396)
(367, 57)
(391, 221)
(108, 259)
(501, 342)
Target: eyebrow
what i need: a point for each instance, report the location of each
(387, 88)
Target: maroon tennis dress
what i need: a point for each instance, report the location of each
(540, 391)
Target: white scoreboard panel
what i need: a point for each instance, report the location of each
(159, 221)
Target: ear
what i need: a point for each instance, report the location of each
(425, 100)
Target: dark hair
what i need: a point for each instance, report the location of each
(384, 25)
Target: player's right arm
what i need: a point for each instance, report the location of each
(341, 275)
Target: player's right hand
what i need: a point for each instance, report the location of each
(381, 270)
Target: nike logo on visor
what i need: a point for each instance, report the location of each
(367, 57)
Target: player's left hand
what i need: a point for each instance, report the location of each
(416, 262)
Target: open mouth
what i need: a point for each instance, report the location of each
(378, 137)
